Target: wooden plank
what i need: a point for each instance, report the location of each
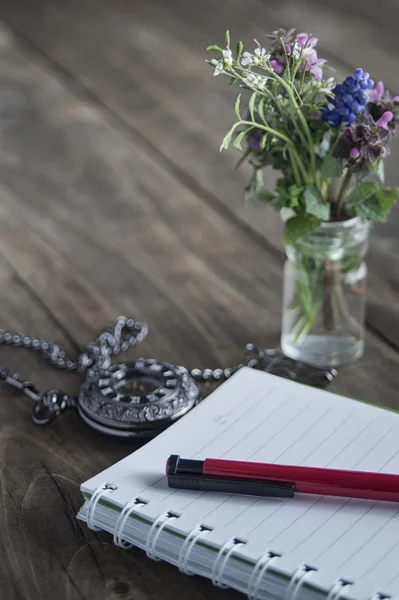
(145, 62)
(46, 553)
(156, 250)
(41, 467)
(94, 226)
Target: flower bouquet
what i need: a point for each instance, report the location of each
(329, 141)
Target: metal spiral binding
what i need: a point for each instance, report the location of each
(298, 578)
(129, 508)
(155, 531)
(337, 588)
(188, 547)
(102, 489)
(221, 561)
(259, 570)
(265, 561)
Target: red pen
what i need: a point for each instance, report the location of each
(214, 474)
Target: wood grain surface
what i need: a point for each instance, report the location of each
(114, 199)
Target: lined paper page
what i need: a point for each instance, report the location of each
(259, 417)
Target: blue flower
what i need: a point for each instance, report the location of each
(350, 98)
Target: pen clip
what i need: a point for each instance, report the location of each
(228, 485)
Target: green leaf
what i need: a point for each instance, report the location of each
(292, 196)
(263, 141)
(226, 140)
(254, 185)
(261, 106)
(361, 171)
(362, 190)
(227, 38)
(387, 197)
(265, 196)
(239, 49)
(239, 138)
(331, 167)
(251, 106)
(214, 47)
(371, 202)
(315, 206)
(237, 107)
(298, 227)
(380, 170)
(370, 210)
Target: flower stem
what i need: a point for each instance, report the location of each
(304, 123)
(290, 144)
(342, 190)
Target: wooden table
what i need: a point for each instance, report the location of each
(115, 199)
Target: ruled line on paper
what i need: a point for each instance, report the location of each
(301, 462)
(350, 443)
(392, 580)
(295, 520)
(297, 410)
(303, 540)
(345, 532)
(286, 424)
(243, 511)
(248, 457)
(388, 461)
(346, 502)
(312, 426)
(368, 541)
(279, 407)
(268, 517)
(375, 445)
(261, 398)
(323, 441)
(244, 458)
(278, 432)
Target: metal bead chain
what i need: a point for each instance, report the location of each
(118, 337)
(213, 375)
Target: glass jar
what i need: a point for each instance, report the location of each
(324, 295)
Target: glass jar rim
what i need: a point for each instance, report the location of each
(346, 224)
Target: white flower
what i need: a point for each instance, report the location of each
(247, 59)
(296, 51)
(261, 54)
(227, 57)
(324, 148)
(218, 67)
(327, 86)
(261, 82)
(254, 81)
(325, 144)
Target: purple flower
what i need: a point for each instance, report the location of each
(315, 68)
(376, 94)
(350, 98)
(277, 66)
(365, 140)
(382, 103)
(311, 62)
(385, 118)
(303, 39)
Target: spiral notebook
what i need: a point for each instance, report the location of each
(306, 547)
